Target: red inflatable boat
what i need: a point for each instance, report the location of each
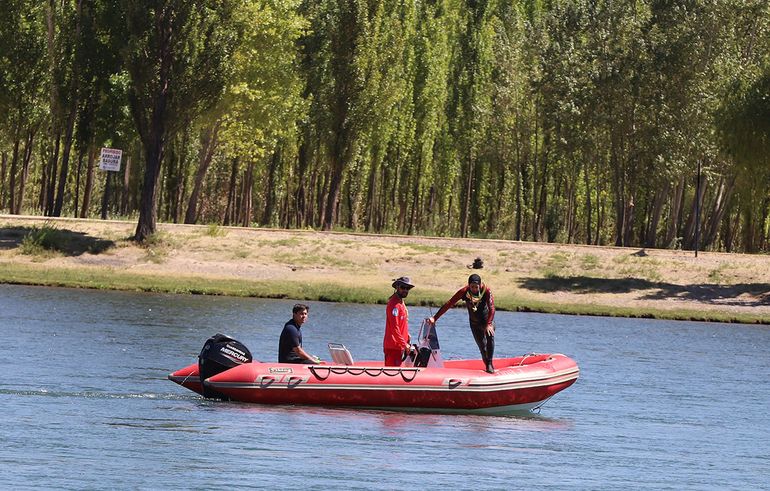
(518, 384)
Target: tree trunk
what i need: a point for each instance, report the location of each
(209, 143)
(246, 197)
(153, 131)
(230, 208)
(415, 196)
(620, 203)
(124, 193)
(657, 210)
(588, 207)
(148, 211)
(26, 161)
(332, 197)
(673, 218)
(301, 194)
(749, 228)
(543, 199)
(465, 217)
(78, 176)
(49, 174)
(64, 171)
(270, 195)
(89, 182)
(74, 83)
(49, 178)
(372, 196)
(697, 202)
(518, 192)
(3, 175)
(628, 222)
(724, 194)
(12, 207)
(342, 155)
(312, 210)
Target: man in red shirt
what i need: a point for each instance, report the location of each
(396, 343)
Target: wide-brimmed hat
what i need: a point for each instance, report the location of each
(403, 280)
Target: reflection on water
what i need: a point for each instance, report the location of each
(659, 405)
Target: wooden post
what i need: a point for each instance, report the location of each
(697, 212)
(106, 197)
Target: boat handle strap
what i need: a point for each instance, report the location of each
(371, 371)
(316, 369)
(413, 371)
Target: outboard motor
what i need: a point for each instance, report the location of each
(220, 353)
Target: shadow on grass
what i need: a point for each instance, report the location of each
(67, 242)
(706, 293)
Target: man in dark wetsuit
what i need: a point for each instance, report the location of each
(290, 345)
(481, 315)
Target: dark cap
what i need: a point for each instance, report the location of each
(403, 280)
(474, 278)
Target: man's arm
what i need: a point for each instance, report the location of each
(400, 327)
(491, 307)
(303, 354)
(450, 303)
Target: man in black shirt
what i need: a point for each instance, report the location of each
(290, 345)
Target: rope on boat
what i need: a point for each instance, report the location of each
(185, 379)
(521, 363)
(356, 371)
(537, 408)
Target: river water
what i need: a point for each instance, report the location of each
(85, 403)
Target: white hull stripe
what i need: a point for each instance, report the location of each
(508, 379)
(492, 410)
(406, 386)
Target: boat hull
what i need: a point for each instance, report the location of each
(519, 384)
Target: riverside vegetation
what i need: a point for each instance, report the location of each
(637, 123)
(349, 267)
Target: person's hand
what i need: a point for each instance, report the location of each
(490, 330)
(317, 360)
(431, 321)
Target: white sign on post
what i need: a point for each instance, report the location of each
(110, 159)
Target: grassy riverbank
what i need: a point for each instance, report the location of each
(345, 267)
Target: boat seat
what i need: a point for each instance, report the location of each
(340, 354)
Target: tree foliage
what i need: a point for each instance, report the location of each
(573, 121)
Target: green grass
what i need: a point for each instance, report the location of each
(314, 259)
(214, 230)
(109, 279)
(641, 267)
(290, 242)
(589, 262)
(241, 254)
(556, 265)
(718, 275)
(43, 241)
(158, 246)
(621, 259)
(424, 248)
(640, 272)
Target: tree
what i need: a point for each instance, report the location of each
(22, 83)
(177, 54)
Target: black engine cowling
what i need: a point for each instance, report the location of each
(220, 353)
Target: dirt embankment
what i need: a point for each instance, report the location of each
(523, 275)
